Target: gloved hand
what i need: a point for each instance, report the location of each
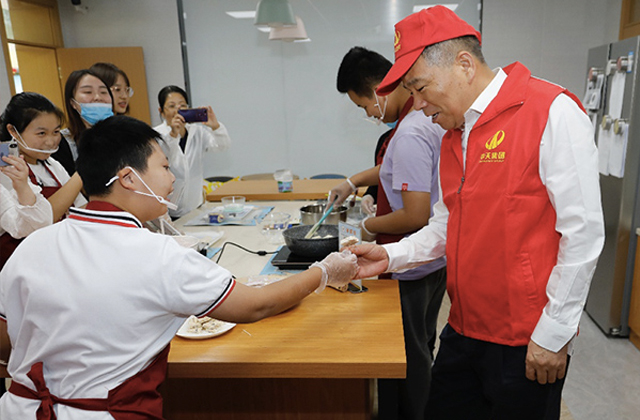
(338, 268)
(340, 192)
(368, 205)
(366, 235)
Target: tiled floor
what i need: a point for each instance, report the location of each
(604, 377)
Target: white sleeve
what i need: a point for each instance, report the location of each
(18, 220)
(569, 170)
(177, 163)
(216, 140)
(423, 246)
(63, 177)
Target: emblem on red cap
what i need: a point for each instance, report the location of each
(396, 42)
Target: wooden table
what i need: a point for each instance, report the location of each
(303, 189)
(315, 361)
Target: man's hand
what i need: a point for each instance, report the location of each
(544, 365)
(372, 260)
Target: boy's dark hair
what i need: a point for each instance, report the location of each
(361, 70)
(24, 108)
(111, 145)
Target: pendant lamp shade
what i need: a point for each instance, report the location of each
(289, 33)
(274, 13)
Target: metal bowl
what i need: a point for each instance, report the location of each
(312, 248)
(309, 215)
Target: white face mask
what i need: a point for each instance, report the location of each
(22, 143)
(376, 120)
(161, 200)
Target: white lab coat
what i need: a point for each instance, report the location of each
(188, 166)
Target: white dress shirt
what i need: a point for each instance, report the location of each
(568, 168)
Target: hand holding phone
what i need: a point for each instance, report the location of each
(8, 149)
(194, 114)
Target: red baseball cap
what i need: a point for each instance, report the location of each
(417, 31)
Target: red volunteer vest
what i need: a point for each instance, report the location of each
(501, 237)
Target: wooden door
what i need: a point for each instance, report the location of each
(128, 59)
(39, 72)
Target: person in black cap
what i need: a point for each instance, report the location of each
(519, 219)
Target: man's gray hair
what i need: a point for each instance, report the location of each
(444, 53)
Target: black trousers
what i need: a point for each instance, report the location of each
(475, 379)
(406, 399)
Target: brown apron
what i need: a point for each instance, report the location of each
(137, 398)
(8, 243)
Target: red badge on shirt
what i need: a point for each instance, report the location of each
(405, 186)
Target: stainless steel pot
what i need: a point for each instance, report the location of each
(310, 214)
(312, 248)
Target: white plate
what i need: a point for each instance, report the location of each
(184, 330)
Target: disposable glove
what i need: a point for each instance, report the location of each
(366, 235)
(338, 268)
(340, 192)
(368, 205)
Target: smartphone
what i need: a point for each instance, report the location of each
(194, 114)
(4, 151)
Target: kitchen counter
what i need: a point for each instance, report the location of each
(314, 361)
(303, 189)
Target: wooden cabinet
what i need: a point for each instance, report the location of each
(630, 19)
(36, 62)
(128, 59)
(634, 314)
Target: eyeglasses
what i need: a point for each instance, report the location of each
(118, 90)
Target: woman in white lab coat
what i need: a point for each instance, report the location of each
(185, 144)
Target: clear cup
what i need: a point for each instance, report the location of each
(273, 225)
(285, 180)
(233, 203)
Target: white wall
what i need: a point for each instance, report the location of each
(279, 100)
(150, 24)
(550, 37)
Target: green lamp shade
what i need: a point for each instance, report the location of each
(275, 13)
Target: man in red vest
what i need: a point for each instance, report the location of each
(519, 219)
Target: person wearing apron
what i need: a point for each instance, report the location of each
(407, 183)
(33, 123)
(519, 219)
(90, 324)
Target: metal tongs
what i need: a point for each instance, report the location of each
(315, 227)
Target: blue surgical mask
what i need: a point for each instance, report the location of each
(95, 111)
(392, 124)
